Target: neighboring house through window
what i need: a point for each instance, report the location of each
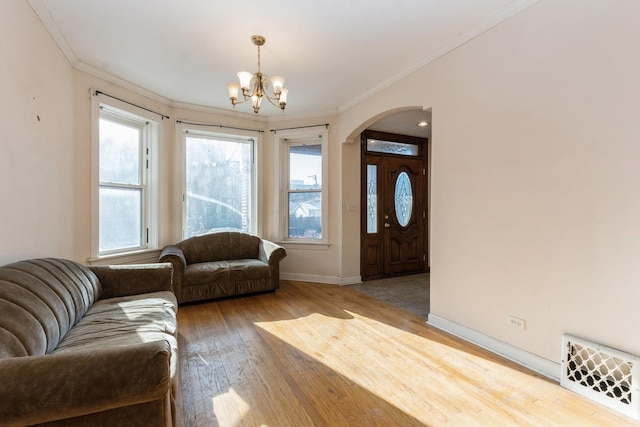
(304, 183)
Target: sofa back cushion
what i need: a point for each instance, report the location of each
(40, 300)
(223, 245)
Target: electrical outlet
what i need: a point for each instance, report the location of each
(516, 322)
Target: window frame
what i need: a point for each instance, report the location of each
(240, 136)
(284, 140)
(123, 113)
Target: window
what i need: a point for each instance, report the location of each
(124, 181)
(219, 183)
(393, 147)
(304, 188)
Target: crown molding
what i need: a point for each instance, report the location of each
(110, 78)
(45, 17)
(513, 8)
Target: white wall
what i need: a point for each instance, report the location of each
(535, 178)
(38, 177)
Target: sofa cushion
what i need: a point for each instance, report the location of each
(222, 278)
(248, 269)
(205, 273)
(123, 321)
(41, 299)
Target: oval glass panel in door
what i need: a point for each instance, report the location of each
(404, 199)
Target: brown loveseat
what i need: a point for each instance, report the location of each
(87, 345)
(223, 264)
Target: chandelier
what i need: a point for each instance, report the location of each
(257, 85)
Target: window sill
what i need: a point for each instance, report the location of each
(304, 245)
(143, 256)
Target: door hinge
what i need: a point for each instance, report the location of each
(147, 235)
(424, 257)
(424, 215)
(424, 171)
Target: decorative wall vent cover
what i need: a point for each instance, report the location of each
(605, 375)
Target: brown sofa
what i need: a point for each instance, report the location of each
(87, 345)
(223, 264)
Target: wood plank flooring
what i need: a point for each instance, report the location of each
(327, 355)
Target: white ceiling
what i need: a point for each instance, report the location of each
(333, 53)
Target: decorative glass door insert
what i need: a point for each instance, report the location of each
(403, 197)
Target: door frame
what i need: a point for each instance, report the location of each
(368, 157)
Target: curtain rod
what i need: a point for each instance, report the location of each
(218, 126)
(97, 92)
(326, 125)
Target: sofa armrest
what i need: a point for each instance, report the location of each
(37, 389)
(124, 280)
(174, 255)
(271, 253)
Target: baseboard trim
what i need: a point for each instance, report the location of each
(350, 280)
(334, 280)
(308, 278)
(522, 357)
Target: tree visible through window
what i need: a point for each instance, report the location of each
(218, 180)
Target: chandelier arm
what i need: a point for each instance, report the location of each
(274, 101)
(237, 101)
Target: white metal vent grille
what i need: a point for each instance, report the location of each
(602, 374)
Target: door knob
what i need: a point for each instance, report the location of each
(387, 225)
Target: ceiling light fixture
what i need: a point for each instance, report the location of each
(423, 124)
(255, 86)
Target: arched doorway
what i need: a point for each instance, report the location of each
(394, 197)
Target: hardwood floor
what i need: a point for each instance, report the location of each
(327, 355)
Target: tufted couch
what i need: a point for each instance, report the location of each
(87, 345)
(223, 264)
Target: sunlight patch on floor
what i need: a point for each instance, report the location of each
(229, 403)
(401, 363)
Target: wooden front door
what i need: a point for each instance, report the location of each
(403, 222)
(394, 225)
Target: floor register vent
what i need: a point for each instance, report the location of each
(605, 375)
